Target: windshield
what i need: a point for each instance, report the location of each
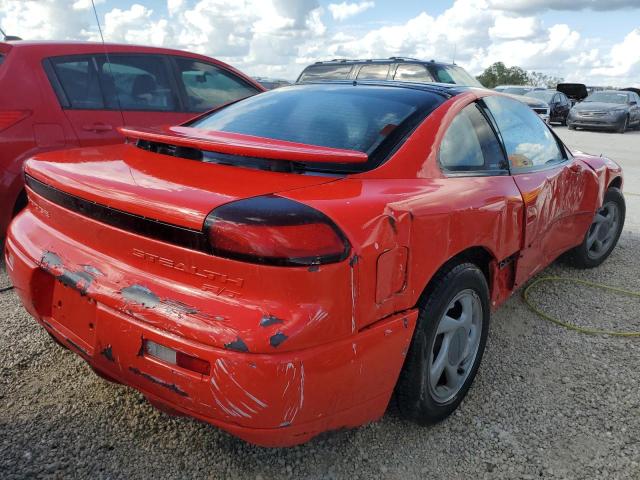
(364, 118)
(608, 97)
(541, 95)
(453, 74)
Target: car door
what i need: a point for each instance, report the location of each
(558, 191)
(205, 86)
(142, 87)
(75, 81)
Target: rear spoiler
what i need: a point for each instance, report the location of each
(244, 145)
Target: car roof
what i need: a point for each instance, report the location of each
(64, 47)
(445, 89)
(351, 61)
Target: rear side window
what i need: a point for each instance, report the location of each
(79, 81)
(453, 74)
(470, 145)
(325, 72)
(1, 59)
(137, 82)
(412, 73)
(527, 140)
(207, 86)
(373, 72)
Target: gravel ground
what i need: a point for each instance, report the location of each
(547, 402)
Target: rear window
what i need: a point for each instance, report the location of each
(325, 72)
(364, 118)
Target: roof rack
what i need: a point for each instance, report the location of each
(406, 58)
(371, 60)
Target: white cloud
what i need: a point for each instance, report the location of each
(280, 37)
(46, 19)
(344, 10)
(510, 28)
(85, 4)
(624, 60)
(174, 6)
(569, 5)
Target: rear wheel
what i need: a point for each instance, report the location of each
(447, 346)
(603, 234)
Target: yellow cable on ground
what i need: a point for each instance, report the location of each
(571, 326)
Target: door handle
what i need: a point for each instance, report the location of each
(98, 127)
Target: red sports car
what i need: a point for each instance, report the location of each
(56, 95)
(281, 266)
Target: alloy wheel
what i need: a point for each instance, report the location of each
(455, 346)
(603, 230)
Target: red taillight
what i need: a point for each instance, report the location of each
(275, 231)
(175, 357)
(192, 363)
(11, 117)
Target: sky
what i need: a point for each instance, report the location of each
(596, 42)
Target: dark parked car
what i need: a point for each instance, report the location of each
(516, 89)
(615, 110)
(393, 68)
(57, 95)
(539, 106)
(559, 104)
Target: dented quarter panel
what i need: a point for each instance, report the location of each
(605, 169)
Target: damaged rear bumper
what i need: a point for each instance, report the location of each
(271, 399)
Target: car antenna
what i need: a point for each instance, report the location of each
(106, 54)
(8, 37)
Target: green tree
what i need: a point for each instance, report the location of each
(538, 79)
(500, 74)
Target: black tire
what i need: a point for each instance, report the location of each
(625, 125)
(583, 256)
(571, 126)
(415, 398)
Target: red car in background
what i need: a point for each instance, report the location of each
(280, 266)
(59, 95)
